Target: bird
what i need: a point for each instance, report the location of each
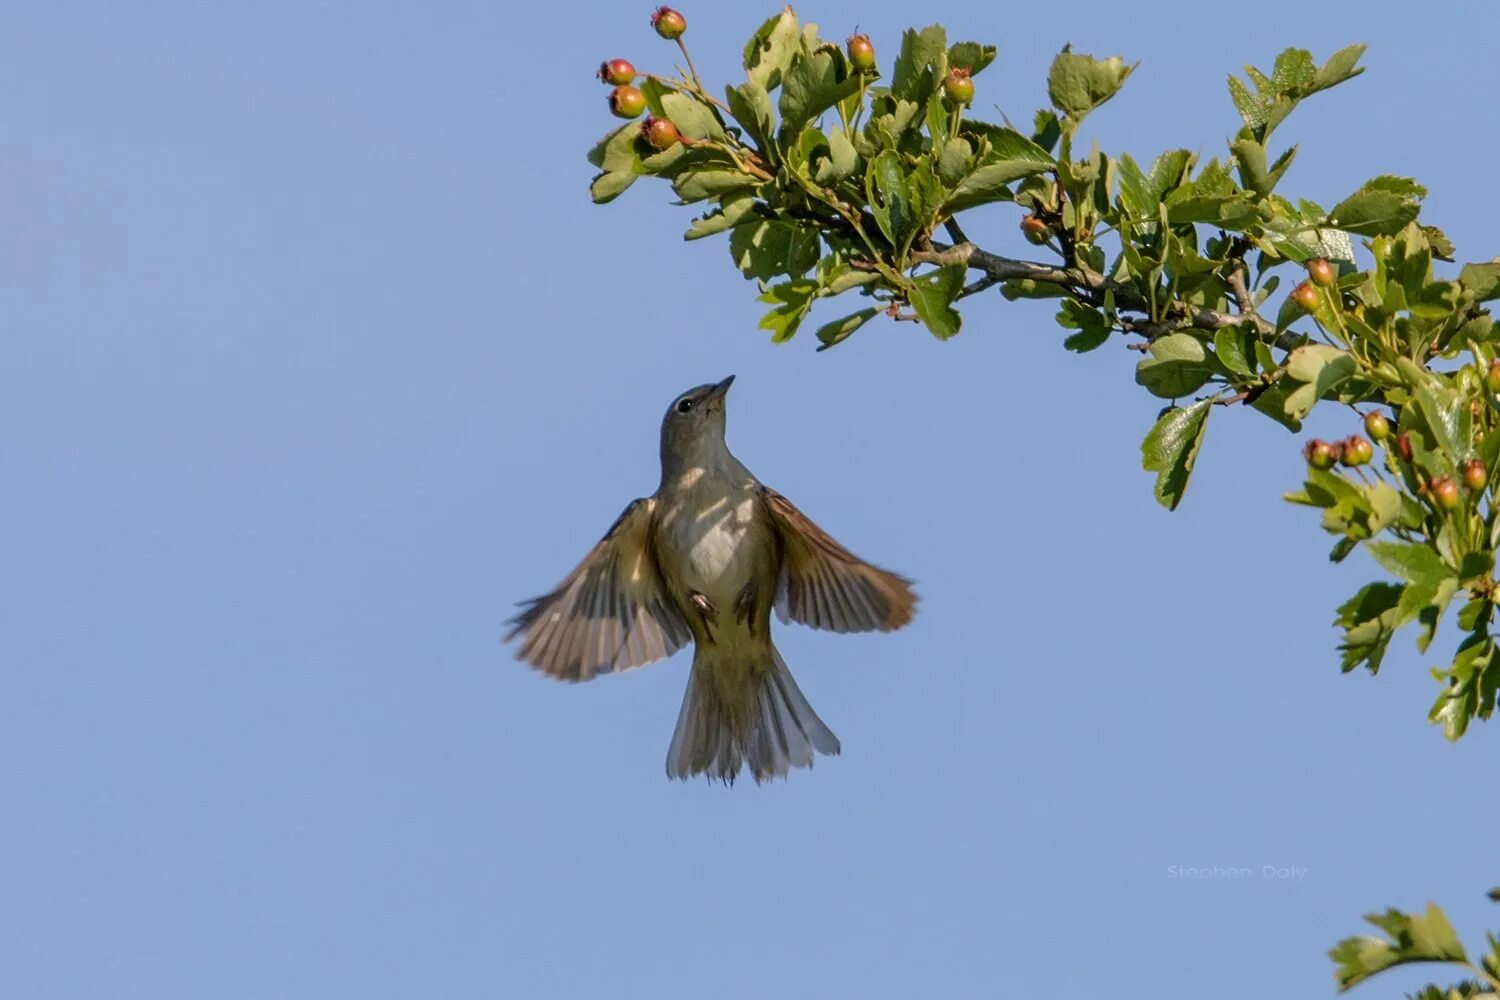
(703, 560)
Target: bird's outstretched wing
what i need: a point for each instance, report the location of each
(611, 613)
(824, 585)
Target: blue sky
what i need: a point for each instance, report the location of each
(317, 358)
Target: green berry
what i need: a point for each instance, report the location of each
(668, 23)
(1357, 451)
(861, 53)
(1306, 296)
(1445, 493)
(660, 133)
(626, 101)
(1475, 475)
(1319, 454)
(1322, 272)
(959, 86)
(1377, 426)
(1035, 230)
(617, 71)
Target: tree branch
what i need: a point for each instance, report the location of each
(1091, 287)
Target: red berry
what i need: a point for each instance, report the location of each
(660, 133)
(1403, 445)
(616, 71)
(1322, 272)
(1306, 296)
(1377, 426)
(1492, 377)
(668, 23)
(1475, 474)
(1035, 230)
(1445, 493)
(1319, 454)
(1357, 451)
(958, 86)
(861, 52)
(626, 101)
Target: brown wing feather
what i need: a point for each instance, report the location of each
(826, 586)
(610, 613)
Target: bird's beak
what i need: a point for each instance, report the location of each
(720, 388)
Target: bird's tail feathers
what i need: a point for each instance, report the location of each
(738, 712)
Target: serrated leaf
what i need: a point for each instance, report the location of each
(792, 301)
(1410, 938)
(1077, 83)
(697, 185)
(751, 106)
(915, 75)
(769, 248)
(771, 49)
(932, 297)
(971, 56)
(1369, 621)
(1411, 561)
(816, 81)
(731, 211)
(693, 118)
(618, 150)
(1341, 66)
(1093, 329)
(889, 199)
(842, 159)
(1482, 279)
(1171, 448)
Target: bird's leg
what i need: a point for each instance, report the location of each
(706, 610)
(744, 604)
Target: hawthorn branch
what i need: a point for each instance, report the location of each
(1091, 287)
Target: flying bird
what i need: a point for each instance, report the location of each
(703, 560)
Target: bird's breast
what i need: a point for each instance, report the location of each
(713, 542)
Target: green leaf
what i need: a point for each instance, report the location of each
(1171, 448)
(772, 247)
(955, 161)
(751, 107)
(654, 90)
(618, 150)
(1410, 938)
(915, 76)
(1077, 84)
(1321, 369)
(1231, 350)
(971, 56)
(1482, 279)
(693, 118)
(733, 209)
(816, 81)
(1411, 561)
(771, 49)
(1341, 66)
(696, 185)
(793, 300)
(1093, 328)
(932, 297)
(1369, 621)
(841, 330)
(842, 159)
(889, 199)
(610, 185)
(1382, 207)
(1176, 366)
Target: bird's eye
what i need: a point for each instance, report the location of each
(684, 406)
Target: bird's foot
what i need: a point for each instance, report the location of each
(706, 610)
(744, 605)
